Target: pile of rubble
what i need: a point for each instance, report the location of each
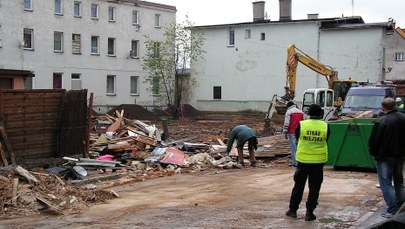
(121, 150)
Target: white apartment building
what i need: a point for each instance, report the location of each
(82, 44)
(245, 63)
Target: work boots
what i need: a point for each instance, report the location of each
(309, 216)
(291, 213)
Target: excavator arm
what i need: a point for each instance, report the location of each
(294, 55)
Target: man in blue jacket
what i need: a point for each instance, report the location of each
(387, 145)
(243, 134)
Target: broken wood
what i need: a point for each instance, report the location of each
(6, 142)
(3, 156)
(15, 190)
(26, 174)
(50, 206)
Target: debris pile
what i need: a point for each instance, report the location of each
(26, 193)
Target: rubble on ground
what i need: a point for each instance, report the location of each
(122, 150)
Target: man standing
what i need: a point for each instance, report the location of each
(243, 134)
(387, 145)
(400, 105)
(312, 153)
(292, 118)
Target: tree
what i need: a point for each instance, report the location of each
(168, 62)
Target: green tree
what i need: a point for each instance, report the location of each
(168, 63)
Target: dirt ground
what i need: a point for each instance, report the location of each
(209, 197)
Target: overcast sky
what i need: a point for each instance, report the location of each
(212, 12)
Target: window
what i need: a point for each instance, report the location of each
(157, 20)
(58, 41)
(94, 45)
(231, 41)
(248, 33)
(217, 92)
(111, 47)
(262, 36)
(156, 49)
(76, 44)
(58, 7)
(155, 86)
(28, 5)
(28, 39)
(134, 85)
(94, 11)
(135, 17)
(399, 56)
(134, 49)
(110, 84)
(76, 81)
(111, 14)
(77, 9)
(57, 80)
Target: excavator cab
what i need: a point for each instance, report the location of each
(340, 89)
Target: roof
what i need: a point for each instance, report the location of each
(354, 22)
(401, 32)
(325, 21)
(13, 72)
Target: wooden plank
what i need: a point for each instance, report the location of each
(3, 156)
(6, 145)
(15, 190)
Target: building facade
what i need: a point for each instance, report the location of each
(83, 44)
(245, 63)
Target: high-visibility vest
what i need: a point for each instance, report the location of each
(312, 144)
(401, 106)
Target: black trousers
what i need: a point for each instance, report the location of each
(314, 174)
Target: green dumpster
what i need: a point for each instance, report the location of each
(348, 143)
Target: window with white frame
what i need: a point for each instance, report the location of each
(248, 34)
(77, 9)
(76, 81)
(157, 20)
(58, 7)
(76, 43)
(28, 39)
(57, 41)
(399, 56)
(134, 85)
(94, 11)
(262, 36)
(28, 5)
(134, 53)
(111, 84)
(135, 17)
(111, 14)
(231, 37)
(217, 92)
(94, 45)
(111, 46)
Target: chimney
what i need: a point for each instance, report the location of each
(285, 10)
(258, 11)
(312, 16)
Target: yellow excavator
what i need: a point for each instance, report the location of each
(337, 89)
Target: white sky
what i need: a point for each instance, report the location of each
(212, 12)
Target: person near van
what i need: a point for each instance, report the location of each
(400, 105)
(312, 153)
(387, 145)
(243, 134)
(292, 118)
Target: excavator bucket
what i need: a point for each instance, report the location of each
(281, 108)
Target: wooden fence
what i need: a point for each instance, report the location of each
(41, 126)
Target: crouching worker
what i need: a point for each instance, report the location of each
(312, 153)
(243, 134)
